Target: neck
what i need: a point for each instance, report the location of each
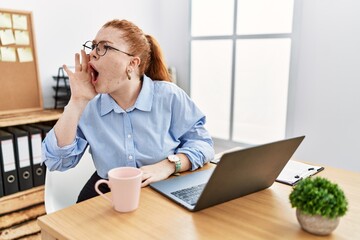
(127, 96)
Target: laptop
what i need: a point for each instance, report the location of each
(237, 174)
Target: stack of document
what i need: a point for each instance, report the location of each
(295, 171)
(20, 158)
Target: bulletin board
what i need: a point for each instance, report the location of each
(20, 89)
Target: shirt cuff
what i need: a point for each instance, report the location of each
(53, 149)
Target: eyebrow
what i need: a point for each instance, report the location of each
(106, 41)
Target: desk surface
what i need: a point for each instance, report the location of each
(263, 215)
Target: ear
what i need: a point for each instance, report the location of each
(135, 62)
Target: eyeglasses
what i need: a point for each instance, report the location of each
(101, 48)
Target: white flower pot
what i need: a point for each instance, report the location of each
(317, 224)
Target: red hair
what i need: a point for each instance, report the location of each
(145, 47)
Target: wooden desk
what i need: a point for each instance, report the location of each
(263, 215)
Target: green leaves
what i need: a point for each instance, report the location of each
(318, 196)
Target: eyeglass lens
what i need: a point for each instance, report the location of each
(100, 47)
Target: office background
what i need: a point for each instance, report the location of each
(324, 81)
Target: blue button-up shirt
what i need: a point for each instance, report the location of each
(163, 121)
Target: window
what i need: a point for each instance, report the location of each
(240, 59)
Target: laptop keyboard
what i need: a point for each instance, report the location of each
(190, 195)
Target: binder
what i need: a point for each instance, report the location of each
(35, 139)
(295, 171)
(8, 166)
(22, 157)
(43, 127)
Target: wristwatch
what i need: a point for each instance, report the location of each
(175, 159)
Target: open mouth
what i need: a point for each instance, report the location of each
(94, 74)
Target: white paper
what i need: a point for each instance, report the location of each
(7, 37)
(7, 54)
(19, 21)
(36, 148)
(294, 171)
(25, 54)
(24, 154)
(8, 155)
(22, 37)
(5, 20)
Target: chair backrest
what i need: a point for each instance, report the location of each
(63, 188)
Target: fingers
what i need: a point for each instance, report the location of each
(78, 66)
(85, 60)
(67, 70)
(83, 64)
(146, 179)
(145, 183)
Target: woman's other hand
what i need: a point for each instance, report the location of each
(157, 172)
(163, 169)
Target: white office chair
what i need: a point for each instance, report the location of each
(63, 188)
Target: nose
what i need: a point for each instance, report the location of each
(93, 54)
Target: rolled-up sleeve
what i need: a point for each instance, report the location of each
(61, 158)
(197, 145)
(188, 127)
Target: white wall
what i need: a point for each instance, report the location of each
(175, 37)
(324, 94)
(61, 27)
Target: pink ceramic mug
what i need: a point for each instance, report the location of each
(125, 186)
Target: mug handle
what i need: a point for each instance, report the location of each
(101, 193)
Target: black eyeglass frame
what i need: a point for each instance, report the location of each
(106, 47)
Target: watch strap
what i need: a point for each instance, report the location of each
(177, 166)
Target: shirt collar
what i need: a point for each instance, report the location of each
(145, 98)
(143, 102)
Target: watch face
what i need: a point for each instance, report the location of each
(173, 158)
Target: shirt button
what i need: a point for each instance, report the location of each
(130, 157)
(129, 135)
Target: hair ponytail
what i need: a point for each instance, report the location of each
(146, 47)
(157, 68)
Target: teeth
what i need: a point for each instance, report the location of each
(92, 76)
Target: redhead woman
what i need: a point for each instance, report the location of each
(124, 106)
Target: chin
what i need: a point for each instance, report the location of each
(99, 90)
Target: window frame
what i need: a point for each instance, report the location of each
(234, 37)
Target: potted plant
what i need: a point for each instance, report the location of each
(319, 205)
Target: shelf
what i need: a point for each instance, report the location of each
(60, 77)
(19, 213)
(63, 98)
(61, 88)
(13, 119)
(16, 201)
